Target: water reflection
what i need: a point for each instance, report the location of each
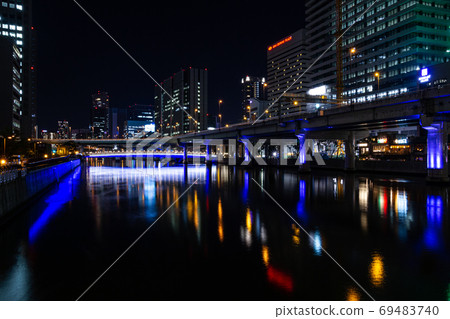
(432, 233)
(66, 191)
(280, 279)
(350, 216)
(220, 220)
(376, 270)
(353, 294)
(316, 242)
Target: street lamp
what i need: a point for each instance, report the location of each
(220, 115)
(249, 112)
(377, 75)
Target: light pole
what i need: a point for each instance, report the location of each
(220, 114)
(249, 113)
(352, 53)
(377, 75)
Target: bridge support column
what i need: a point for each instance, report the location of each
(232, 152)
(303, 164)
(350, 152)
(185, 155)
(208, 158)
(437, 152)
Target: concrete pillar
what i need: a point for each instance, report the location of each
(232, 152)
(185, 155)
(350, 152)
(208, 159)
(303, 164)
(437, 152)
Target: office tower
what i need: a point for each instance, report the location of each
(100, 115)
(188, 89)
(16, 24)
(10, 88)
(64, 130)
(287, 60)
(252, 87)
(383, 51)
(117, 118)
(140, 121)
(212, 122)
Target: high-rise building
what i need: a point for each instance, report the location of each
(383, 51)
(252, 87)
(287, 60)
(117, 118)
(10, 88)
(140, 120)
(16, 24)
(185, 109)
(100, 115)
(64, 130)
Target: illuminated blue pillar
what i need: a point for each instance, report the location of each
(437, 151)
(246, 153)
(185, 155)
(208, 158)
(302, 157)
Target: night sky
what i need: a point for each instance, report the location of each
(76, 59)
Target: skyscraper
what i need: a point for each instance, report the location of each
(100, 115)
(64, 130)
(188, 89)
(252, 87)
(16, 23)
(10, 88)
(140, 120)
(383, 51)
(287, 60)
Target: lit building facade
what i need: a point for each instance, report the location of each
(383, 51)
(100, 115)
(16, 24)
(188, 89)
(140, 121)
(10, 88)
(252, 87)
(287, 60)
(64, 130)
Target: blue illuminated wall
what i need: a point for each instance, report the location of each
(16, 193)
(435, 154)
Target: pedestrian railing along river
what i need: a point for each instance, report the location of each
(10, 175)
(18, 186)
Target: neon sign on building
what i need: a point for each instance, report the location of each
(279, 43)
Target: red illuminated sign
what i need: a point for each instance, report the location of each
(280, 43)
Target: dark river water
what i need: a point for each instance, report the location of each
(226, 239)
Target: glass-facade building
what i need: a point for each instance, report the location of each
(16, 24)
(383, 51)
(10, 88)
(100, 115)
(252, 87)
(185, 108)
(287, 60)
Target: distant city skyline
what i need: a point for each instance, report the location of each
(68, 73)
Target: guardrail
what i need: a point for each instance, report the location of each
(7, 176)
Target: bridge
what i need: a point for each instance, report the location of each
(428, 109)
